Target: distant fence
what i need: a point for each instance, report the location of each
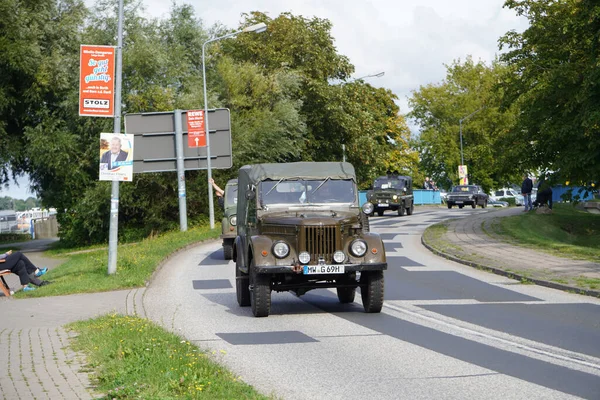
(421, 197)
(559, 190)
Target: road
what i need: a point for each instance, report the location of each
(446, 330)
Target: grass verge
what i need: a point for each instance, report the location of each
(87, 272)
(434, 237)
(566, 232)
(134, 358)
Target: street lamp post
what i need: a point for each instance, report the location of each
(462, 160)
(258, 28)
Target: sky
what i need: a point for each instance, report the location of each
(409, 40)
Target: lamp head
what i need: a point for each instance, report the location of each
(258, 28)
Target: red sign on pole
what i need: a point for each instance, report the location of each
(196, 129)
(96, 81)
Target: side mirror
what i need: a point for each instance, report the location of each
(250, 195)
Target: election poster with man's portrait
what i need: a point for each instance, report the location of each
(116, 157)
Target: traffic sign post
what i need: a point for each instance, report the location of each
(159, 145)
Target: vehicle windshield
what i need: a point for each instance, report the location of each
(298, 191)
(389, 183)
(464, 189)
(231, 195)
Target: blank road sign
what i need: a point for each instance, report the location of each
(155, 142)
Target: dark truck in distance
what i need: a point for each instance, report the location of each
(300, 227)
(467, 195)
(229, 221)
(392, 192)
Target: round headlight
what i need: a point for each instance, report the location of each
(281, 250)
(395, 197)
(368, 208)
(339, 256)
(233, 220)
(358, 248)
(304, 257)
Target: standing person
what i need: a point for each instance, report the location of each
(20, 265)
(114, 155)
(218, 191)
(427, 184)
(526, 188)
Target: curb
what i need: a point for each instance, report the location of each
(498, 271)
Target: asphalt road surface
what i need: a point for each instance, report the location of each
(446, 330)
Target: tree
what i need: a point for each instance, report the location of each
(469, 87)
(555, 80)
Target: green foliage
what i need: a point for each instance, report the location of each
(132, 357)
(8, 203)
(14, 238)
(468, 90)
(276, 85)
(555, 80)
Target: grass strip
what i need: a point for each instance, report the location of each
(132, 358)
(87, 272)
(566, 232)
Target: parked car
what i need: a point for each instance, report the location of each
(463, 195)
(497, 203)
(392, 192)
(229, 221)
(299, 228)
(507, 193)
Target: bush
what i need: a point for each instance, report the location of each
(14, 237)
(510, 200)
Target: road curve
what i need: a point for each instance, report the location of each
(446, 330)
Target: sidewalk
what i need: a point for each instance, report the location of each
(471, 241)
(38, 363)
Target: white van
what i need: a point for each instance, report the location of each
(507, 193)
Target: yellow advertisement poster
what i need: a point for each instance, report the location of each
(463, 175)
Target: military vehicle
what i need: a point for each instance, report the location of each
(228, 223)
(300, 227)
(392, 192)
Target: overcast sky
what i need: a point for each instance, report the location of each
(410, 40)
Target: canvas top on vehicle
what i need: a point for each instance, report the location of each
(252, 174)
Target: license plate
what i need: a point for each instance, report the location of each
(383, 205)
(459, 202)
(323, 269)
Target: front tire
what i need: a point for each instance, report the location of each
(401, 210)
(260, 292)
(242, 289)
(411, 209)
(461, 206)
(449, 205)
(228, 251)
(484, 205)
(380, 213)
(372, 291)
(346, 295)
(474, 205)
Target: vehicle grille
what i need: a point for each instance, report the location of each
(320, 242)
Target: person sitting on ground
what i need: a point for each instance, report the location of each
(20, 265)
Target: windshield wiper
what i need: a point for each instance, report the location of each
(274, 186)
(322, 183)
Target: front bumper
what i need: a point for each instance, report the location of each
(289, 269)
